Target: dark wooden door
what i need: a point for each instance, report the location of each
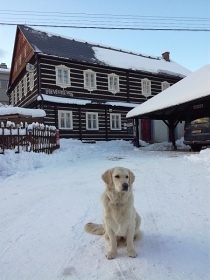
(146, 130)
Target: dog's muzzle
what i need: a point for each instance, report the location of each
(124, 187)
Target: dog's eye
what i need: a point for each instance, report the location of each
(126, 177)
(117, 176)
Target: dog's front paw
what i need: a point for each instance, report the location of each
(132, 253)
(111, 255)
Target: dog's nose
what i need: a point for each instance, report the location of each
(125, 187)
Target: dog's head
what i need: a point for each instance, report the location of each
(119, 177)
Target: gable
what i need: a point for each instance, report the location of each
(22, 53)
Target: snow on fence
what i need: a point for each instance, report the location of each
(34, 137)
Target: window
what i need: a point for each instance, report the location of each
(3, 84)
(115, 121)
(25, 85)
(12, 97)
(62, 76)
(25, 51)
(92, 121)
(164, 85)
(20, 90)
(15, 96)
(65, 119)
(113, 83)
(31, 80)
(89, 80)
(146, 87)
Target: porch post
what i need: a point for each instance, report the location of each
(172, 128)
(172, 125)
(137, 132)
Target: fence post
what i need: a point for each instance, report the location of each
(18, 141)
(57, 139)
(3, 138)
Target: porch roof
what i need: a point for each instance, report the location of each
(174, 102)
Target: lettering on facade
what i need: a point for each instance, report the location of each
(198, 106)
(58, 92)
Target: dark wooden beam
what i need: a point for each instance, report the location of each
(172, 125)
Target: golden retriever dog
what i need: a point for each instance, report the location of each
(120, 219)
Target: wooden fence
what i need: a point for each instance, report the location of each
(29, 139)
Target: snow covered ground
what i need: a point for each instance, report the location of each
(45, 200)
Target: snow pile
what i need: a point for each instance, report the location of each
(203, 157)
(45, 200)
(163, 146)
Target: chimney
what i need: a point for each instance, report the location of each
(3, 65)
(166, 56)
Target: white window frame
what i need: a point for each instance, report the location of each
(25, 85)
(25, 52)
(113, 117)
(146, 87)
(31, 80)
(62, 76)
(164, 85)
(15, 96)
(91, 126)
(89, 80)
(60, 116)
(20, 90)
(113, 83)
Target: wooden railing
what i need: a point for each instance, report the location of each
(33, 138)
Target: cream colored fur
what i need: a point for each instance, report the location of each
(120, 219)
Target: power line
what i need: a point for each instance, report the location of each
(97, 15)
(104, 21)
(114, 28)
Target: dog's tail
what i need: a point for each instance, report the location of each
(96, 229)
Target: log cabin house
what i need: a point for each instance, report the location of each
(87, 89)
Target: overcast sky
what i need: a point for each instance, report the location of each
(188, 48)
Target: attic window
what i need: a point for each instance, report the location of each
(146, 87)
(164, 85)
(62, 76)
(20, 60)
(25, 52)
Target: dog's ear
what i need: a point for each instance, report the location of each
(132, 177)
(107, 176)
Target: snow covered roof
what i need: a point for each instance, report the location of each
(194, 86)
(5, 70)
(56, 45)
(65, 100)
(9, 110)
(133, 61)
